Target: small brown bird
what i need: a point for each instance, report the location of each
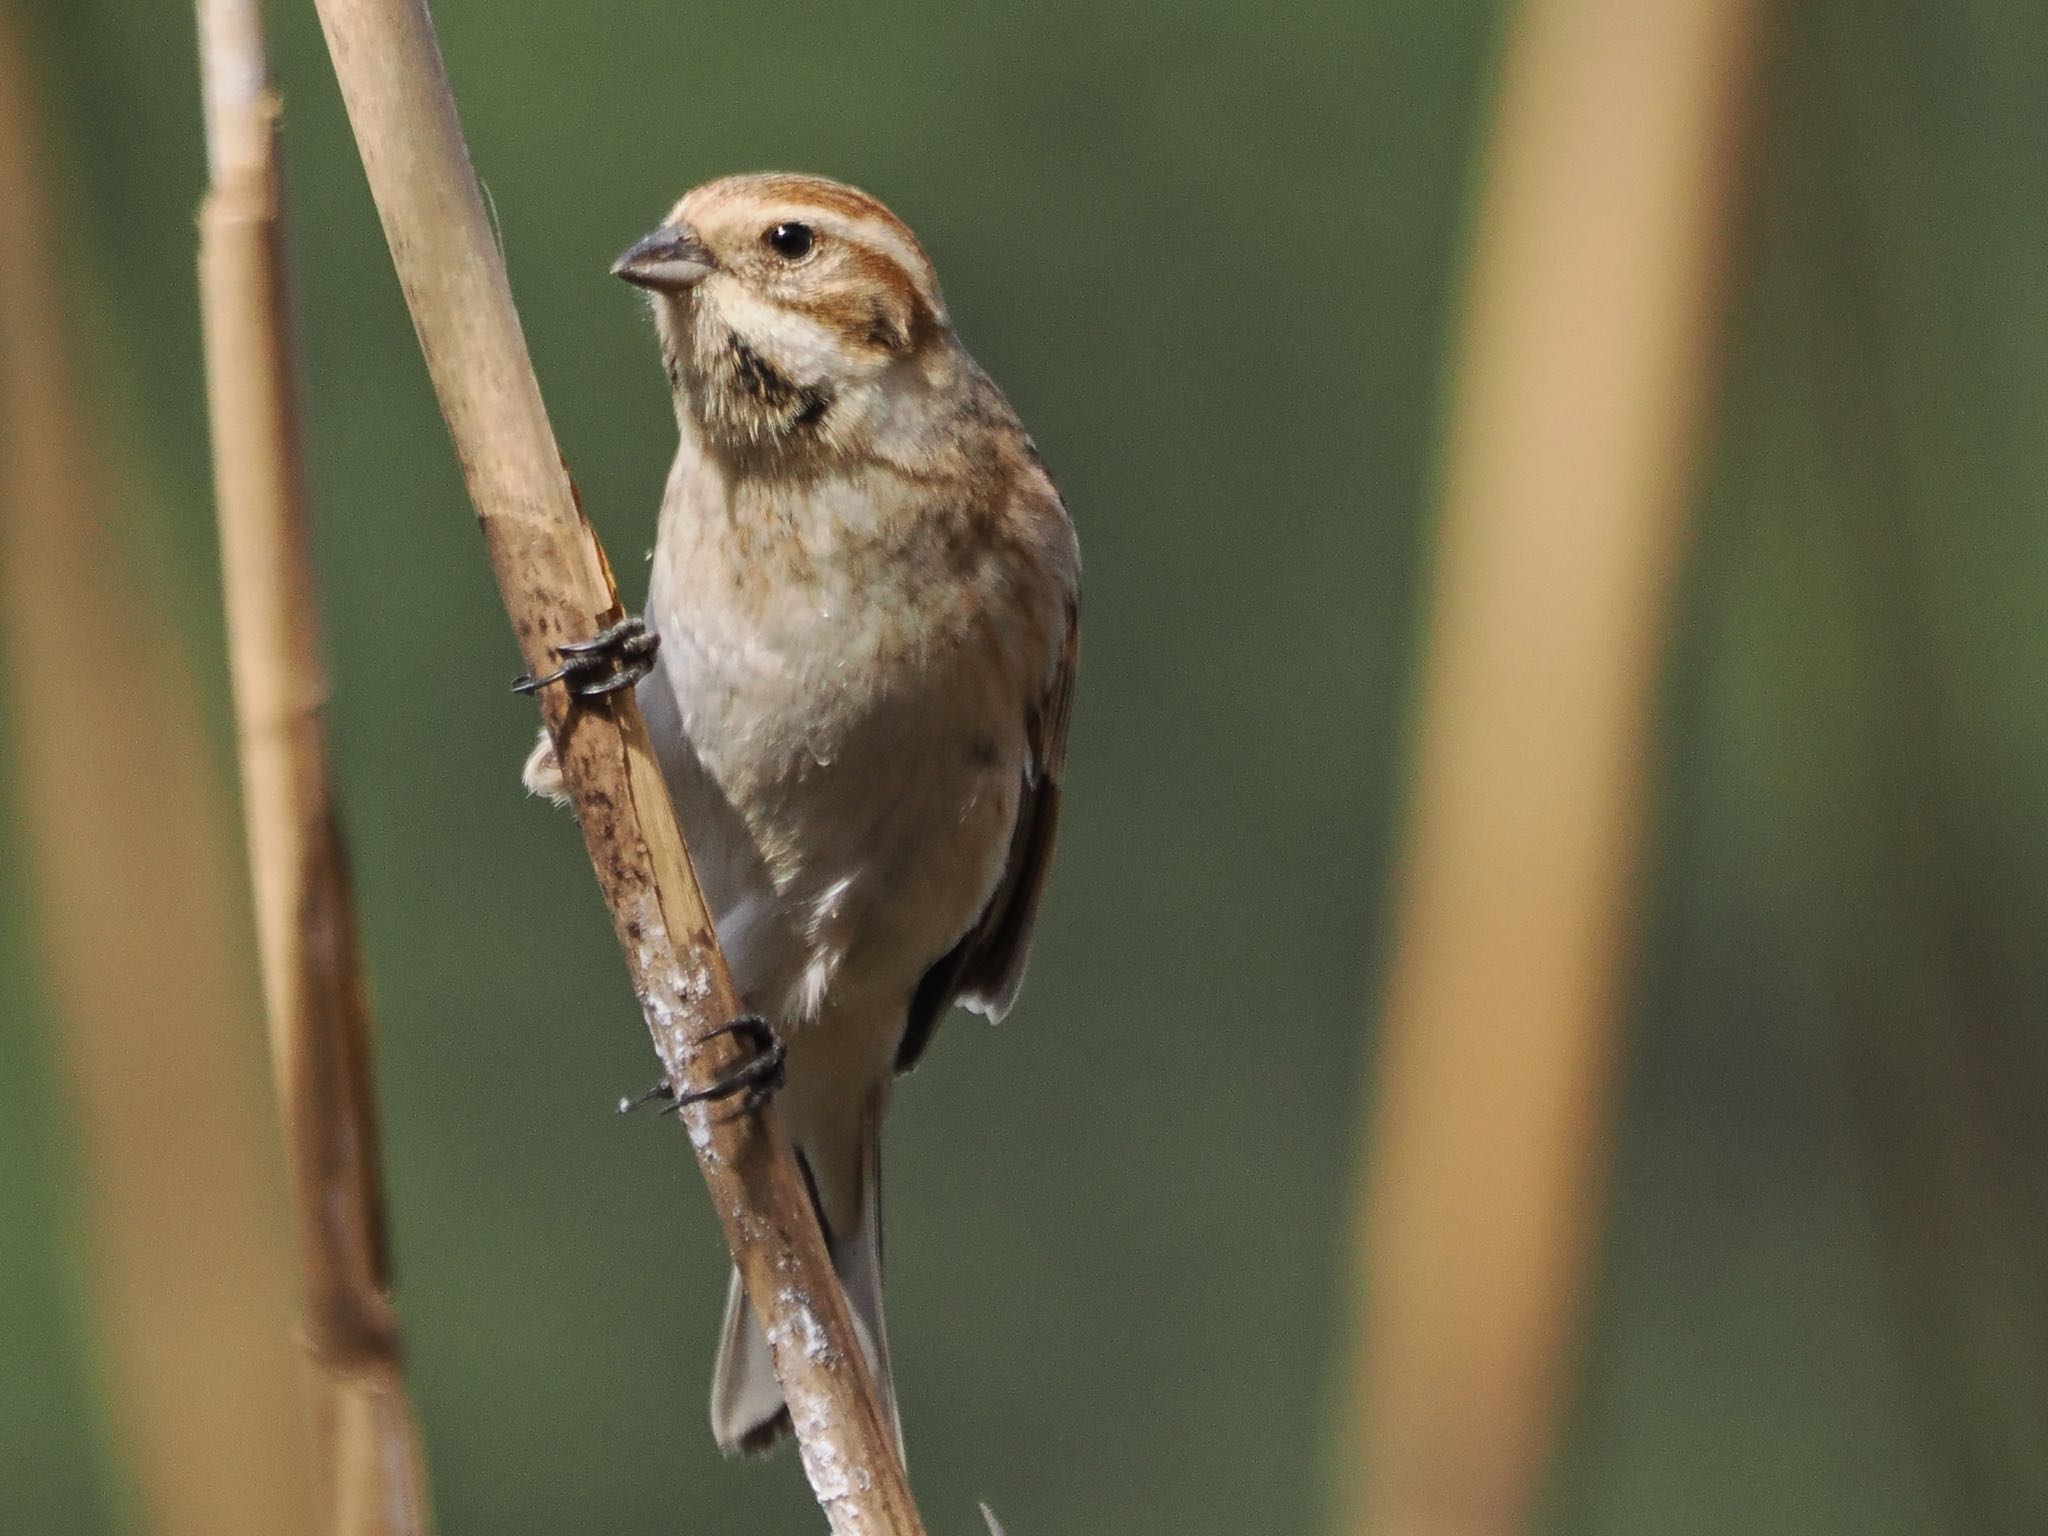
(866, 592)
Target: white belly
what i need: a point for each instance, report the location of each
(849, 818)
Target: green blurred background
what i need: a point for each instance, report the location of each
(1213, 257)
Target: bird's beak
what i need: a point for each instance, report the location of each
(670, 260)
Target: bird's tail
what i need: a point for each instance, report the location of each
(748, 1414)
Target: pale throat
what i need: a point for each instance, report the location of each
(756, 378)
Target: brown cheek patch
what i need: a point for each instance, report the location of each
(879, 308)
(845, 315)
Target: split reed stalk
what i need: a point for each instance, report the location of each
(369, 1468)
(557, 587)
(1582, 381)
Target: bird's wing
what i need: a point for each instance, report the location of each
(985, 969)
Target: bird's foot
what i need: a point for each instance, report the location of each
(758, 1076)
(616, 657)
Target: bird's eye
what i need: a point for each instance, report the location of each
(792, 242)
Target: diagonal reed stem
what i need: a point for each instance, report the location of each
(368, 1461)
(557, 587)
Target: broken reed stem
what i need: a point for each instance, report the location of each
(368, 1461)
(557, 587)
(1583, 381)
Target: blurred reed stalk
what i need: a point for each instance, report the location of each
(558, 587)
(369, 1467)
(1581, 386)
(137, 919)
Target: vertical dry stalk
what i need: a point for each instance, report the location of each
(129, 841)
(1583, 378)
(557, 587)
(368, 1463)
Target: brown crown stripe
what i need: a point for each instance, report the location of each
(816, 194)
(827, 197)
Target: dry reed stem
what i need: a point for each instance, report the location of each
(1583, 376)
(368, 1463)
(558, 587)
(136, 910)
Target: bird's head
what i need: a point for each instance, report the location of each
(793, 311)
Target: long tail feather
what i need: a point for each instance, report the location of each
(748, 1415)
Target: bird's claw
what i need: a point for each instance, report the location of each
(632, 1101)
(758, 1076)
(616, 657)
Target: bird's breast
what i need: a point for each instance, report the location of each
(855, 709)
